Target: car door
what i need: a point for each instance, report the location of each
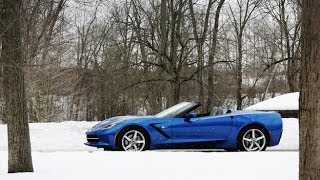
(209, 128)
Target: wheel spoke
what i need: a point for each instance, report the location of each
(127, 138)
(135, 147)
(258, 145)
(135, 135)
(140, 142)
(259, 138)
(251, 146)
(127, 147)
(253, 134)
(247, 139)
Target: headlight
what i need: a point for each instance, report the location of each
(102, 126)
(108, 126)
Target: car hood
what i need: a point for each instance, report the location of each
(116, 120)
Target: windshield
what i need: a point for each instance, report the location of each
(178, 110)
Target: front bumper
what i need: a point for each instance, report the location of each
(101, 145)
(101, 139)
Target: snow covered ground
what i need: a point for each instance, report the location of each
(59, 153)
(158, 166)
(70, 136)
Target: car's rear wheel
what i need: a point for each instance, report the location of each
(133, 139)
(253, 138)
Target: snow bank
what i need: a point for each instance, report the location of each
(158, 166)
(288, 101)
(70, 136)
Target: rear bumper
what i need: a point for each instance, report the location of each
(275, 137)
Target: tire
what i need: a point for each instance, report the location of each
(133, 139)
(253, 138)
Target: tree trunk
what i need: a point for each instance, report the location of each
(310, 95)
(19, 148)
(239, 73)
(200, 79)
(212, 56)
(175, 72)
(163, 29)
(175, 92)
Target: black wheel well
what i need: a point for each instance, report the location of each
(255, 125)
(132, 127)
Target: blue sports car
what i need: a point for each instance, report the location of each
(180, 127)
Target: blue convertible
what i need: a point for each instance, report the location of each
(180, 127)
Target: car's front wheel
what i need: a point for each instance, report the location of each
(253, 138)
(133, 139)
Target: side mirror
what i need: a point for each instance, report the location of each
(189, 116)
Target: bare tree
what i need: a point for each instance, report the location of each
(200, 35)
(240, 21)
(170, 45)
(137, 56)
(19, 146)
(288, 15)
(309, 140)
(212, 53)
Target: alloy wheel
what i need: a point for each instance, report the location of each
(133, 140)
(254, 140)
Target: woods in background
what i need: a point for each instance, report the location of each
(92, 59)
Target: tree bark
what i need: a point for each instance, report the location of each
(19, 147)
(175, 25)
(239, 72)
(310, 95)
(212, 56)
(175, 92)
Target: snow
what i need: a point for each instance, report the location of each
(70, 136)
(288, 101)
(158, 166)
(59, 153)
(62, 136)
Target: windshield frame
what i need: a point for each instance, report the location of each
(178, 110)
